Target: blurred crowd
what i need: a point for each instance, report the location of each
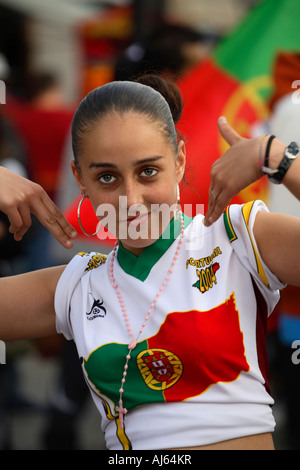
(35, 142)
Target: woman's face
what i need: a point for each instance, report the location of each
(129, 171)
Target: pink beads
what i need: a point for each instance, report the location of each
(132, 344)
(122, 411)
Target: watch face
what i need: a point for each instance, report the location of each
(293, 148)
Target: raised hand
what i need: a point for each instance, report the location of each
(19, 198)
(237, 168)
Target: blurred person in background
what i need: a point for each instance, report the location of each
(37, 124)
(170, 51)
(284, 123)
(12, 261)
(42, 120)
(284, 329)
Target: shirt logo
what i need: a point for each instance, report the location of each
(159, 368)
(207, 278)
(94, 261)
(97, 310)
(207, 272)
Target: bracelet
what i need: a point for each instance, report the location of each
(266, 163)
(265, 168)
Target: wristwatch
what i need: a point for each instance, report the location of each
(290, 154)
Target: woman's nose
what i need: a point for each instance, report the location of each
(133, 194)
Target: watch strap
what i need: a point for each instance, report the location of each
(290, 154)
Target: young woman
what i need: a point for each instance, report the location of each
(170, 327)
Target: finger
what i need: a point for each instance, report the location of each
(219, 207)
(63, 223)
(227, 132)
(24, 212)
(15, 220)
(210, 208)
(52, 218)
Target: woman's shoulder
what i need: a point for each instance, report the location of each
(82, 263)
(90, 260)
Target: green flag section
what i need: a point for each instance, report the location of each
(249, 52)
(164, 368)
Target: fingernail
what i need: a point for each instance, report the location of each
(73, 234)
(69, 243)
(208, 222)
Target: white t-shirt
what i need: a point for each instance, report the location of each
(198, 374)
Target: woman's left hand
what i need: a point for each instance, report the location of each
(233, 171)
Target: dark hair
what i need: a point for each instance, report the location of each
(150, 95)
(37, 83)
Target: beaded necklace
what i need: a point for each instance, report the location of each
(122, 411)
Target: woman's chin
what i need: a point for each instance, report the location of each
(137, 246)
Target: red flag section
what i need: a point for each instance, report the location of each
(209, 92)
(210, 357)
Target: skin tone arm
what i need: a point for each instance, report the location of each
(20, 197)
(30, 314)
(27, 300)
(277, 236)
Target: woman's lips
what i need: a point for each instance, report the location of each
(135, 221)
(138, 220)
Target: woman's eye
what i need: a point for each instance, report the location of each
(107, 178)
(149, 172)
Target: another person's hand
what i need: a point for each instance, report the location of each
(19, 198)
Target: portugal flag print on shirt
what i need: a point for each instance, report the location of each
(191, 351)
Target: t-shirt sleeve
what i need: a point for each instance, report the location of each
(239, 222)
(70, 278)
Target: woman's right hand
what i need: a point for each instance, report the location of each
(20, 197)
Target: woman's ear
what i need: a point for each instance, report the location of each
(77, 175)
(180, 161)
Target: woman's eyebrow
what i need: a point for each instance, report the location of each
(138, 162)
(148, 160)
(101, 165)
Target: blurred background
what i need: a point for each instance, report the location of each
(239, 58)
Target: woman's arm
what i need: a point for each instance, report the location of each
(277, 236)
(27, 304)
(278, 241)
(20, 197)
(240, 166)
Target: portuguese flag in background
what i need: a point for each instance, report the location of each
(236, 82)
